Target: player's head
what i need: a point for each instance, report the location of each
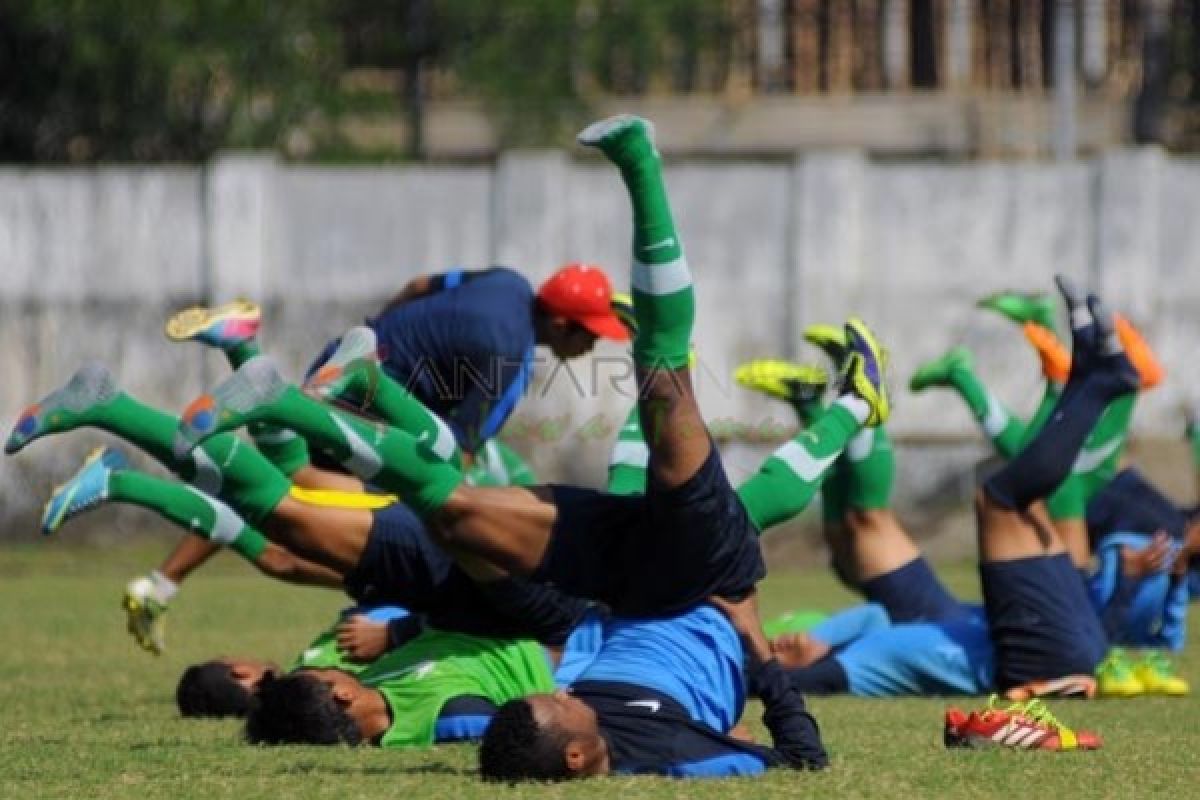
(574, 309)
(543, 737)
(223, 687)
(311, 706)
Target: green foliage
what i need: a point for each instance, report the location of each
(156, 79)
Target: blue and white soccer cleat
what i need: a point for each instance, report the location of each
(87, 489)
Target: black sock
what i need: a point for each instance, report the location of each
(826, 676)
(1046, 462)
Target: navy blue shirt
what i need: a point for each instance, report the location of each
(465, 350)
(650, 733)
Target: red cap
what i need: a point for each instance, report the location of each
(582, 293)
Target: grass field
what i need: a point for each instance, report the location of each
(87, 715)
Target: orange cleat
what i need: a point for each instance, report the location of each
(1149, 368)
(1056, 359)
(1021, 726)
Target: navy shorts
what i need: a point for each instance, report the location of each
(400, 565)
(913, 593)
(654, 555)
(1041, 622)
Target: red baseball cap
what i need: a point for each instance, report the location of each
(582, 293)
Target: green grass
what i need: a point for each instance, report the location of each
(86, 715)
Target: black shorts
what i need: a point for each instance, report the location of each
(1041, 621)
(401, 566)
(913, 593)
(654, 555)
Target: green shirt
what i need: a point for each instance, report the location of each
(418, 679)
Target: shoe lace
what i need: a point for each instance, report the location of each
(1115, 664)
(1159, 663)
(1037, 711)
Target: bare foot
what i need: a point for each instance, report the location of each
(795, 650)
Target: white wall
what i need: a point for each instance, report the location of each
(92, 261)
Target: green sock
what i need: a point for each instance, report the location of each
(1194, 437)
(870, 466)
(497, 464)
(786, 482)
(188, 508)
(834, 493)
(1005, 431)
(223, 465)
(663, 301)
(389, 458)
(398, 407)
(630, 458)
(283, 448)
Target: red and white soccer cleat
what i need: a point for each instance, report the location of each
(1021, 726)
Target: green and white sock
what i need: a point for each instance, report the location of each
(787, 481)
(663, 301)
(389, 458)
(1003, 429)
(189, 508)
(497, 464)
(401, 409)
(630, 458)
(870, 466)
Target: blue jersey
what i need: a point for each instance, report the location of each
(1151, 612)
(465, 350)
(695, 658)
(922, 658)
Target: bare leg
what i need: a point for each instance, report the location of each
(190, 553)
(880, 544)
(311, 477)
(1074, 536)
(1007, 534)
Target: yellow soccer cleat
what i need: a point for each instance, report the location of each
(222, 326)
(864, 371)
(1115, 676)
(1157, 675)
(783, 380)
(145, 617)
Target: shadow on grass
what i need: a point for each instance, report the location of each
(436, 768)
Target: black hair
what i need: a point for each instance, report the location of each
(299, 709)
(516, 748)
(209, 690)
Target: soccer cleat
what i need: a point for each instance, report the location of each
(65, 408)
(1067, 686)
(1055, 360)
(617, 136)
(1149, 368)
(783, 380)
(864, 371)
(222, 327)
(1157, 675)
(1021, 726)
(1116, 678)
(938, 371)
(237, 401)
(830, 340)
(86, 489)
(145, 616)
(1022, 307)
(352, 369)
(622, 306)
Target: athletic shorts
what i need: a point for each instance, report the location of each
(913, 593)
(1041, 622)
(658, 554)
(400, 565)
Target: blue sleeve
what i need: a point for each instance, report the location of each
(1104, 582)
(463, 719)
(842, 628)
(1174, 619)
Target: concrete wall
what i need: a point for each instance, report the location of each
(92, 261)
